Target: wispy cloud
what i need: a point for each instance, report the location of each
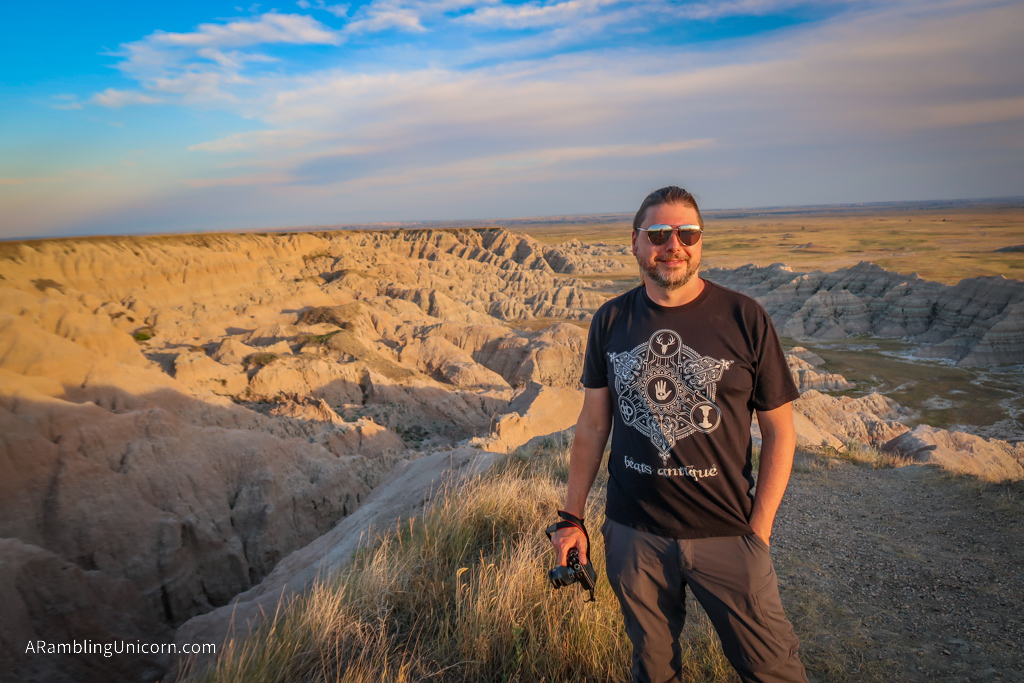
(240, 181)
(113, 98)
(538, 14)
(206, 63)
(296, 29)
(336, 10)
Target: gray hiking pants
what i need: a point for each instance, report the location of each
(733, 579)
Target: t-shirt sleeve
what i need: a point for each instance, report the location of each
(773, 382)
(595, 365)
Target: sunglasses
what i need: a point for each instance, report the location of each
(659, 234)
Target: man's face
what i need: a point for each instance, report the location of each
(670, 265)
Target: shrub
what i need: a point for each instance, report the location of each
(315, 338)
(43, 284)
(259, 359)
(315, 255)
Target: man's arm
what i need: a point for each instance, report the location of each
(778, 441)
(592, 429)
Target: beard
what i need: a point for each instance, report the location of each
(649, 267)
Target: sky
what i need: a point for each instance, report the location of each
(133, 118)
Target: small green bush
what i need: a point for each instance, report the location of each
(260, 359)
(315, 255)
(315, 338)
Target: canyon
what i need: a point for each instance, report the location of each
(193, 425)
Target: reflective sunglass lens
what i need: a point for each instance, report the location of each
(659, 237)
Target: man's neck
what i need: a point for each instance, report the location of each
(674, 297)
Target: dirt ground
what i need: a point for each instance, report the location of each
(905, 574)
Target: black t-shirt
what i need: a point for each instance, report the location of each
(684, 381)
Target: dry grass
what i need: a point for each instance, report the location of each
(824, 457)
(939, 244)
(863, 454)
(460, 594)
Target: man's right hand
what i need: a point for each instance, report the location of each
(570, 537)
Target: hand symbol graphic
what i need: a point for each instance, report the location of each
(661, 391)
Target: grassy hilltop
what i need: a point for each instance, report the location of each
(461, 594)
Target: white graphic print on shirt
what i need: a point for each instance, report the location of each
(666, 390)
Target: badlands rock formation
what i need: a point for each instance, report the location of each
(959, 452)
(978, 322)
(803, 364)
(823, 420)
(177, 414)
(410, 486)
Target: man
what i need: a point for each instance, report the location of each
(678, 364)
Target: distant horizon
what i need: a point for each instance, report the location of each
(567, 218)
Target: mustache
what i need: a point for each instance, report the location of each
(672, 257)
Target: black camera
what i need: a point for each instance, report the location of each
(574, 571)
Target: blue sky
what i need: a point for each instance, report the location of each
(188, 116)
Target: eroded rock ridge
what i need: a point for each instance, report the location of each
(977, 322)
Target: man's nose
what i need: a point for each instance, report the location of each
(674, 237)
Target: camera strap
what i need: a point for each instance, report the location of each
(568, 520)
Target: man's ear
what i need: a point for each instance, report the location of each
(634, 243)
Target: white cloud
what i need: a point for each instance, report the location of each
(537, 14)
(382, 19)
(259, 141)
(205, 64)
(337, 10)
(113, 98)
(268, 28)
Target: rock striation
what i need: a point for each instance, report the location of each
(978, 322)
(803, 365)
(823, 420)
(410, 486)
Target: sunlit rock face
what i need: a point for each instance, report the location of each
(989, 459)
(978, 322)
(803, 365)
(179, 413)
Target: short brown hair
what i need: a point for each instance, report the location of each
(666, 195)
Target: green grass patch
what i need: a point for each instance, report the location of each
(315, 338)
(974, 397)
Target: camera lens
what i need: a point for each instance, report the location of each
(562, 576)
